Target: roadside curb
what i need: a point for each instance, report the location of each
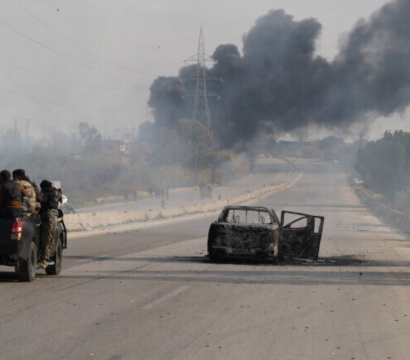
(90, 221)
(392, 217)
(118, 200)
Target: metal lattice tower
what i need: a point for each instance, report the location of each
(200, 110)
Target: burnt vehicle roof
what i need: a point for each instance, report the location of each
(271, 212)
(257, 208)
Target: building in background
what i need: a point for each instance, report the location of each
(118, 149)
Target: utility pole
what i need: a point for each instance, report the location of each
(200, 110)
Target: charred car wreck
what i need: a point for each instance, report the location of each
(257, 233)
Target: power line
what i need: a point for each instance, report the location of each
(108, 63)
(37, 100)
(67, 81)
(61, 53)
(25, 92)
(53, 29)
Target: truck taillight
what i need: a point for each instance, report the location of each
(17, 230)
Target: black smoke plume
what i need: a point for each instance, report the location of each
(279, 83)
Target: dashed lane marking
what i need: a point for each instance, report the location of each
(96, 258)
(171, 295)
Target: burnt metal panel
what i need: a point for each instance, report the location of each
(303, 242)
(241, 236)
(299, 245)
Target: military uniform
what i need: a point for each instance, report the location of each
(48, 233)
(30, 203)
(49, 216)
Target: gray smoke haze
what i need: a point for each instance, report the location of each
(279, 84)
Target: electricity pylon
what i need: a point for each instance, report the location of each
(200, 110)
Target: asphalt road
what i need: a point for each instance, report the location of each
(149, 293)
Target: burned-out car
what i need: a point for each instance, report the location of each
(257, 233)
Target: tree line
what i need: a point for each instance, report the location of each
(385, 168)
(158, 157)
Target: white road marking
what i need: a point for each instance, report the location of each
(94, 258)
(171, 295)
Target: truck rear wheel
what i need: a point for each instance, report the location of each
(58, 260)
(27, 268)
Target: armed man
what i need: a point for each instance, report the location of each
(51, 197)
(32, 197)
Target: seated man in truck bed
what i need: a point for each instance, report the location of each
(11, 196)
(32, 198)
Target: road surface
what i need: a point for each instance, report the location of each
(151, 294)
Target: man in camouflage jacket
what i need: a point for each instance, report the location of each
(31, 197)
(51, 197)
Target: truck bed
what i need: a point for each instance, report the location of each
(16, 250)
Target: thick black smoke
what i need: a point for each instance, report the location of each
(280, 84)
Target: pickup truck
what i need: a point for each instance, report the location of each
(256, 232)
(20, 245)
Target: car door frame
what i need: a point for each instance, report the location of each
(300, 243)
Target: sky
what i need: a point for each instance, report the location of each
(67, 61)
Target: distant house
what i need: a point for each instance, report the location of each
(116, 149)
